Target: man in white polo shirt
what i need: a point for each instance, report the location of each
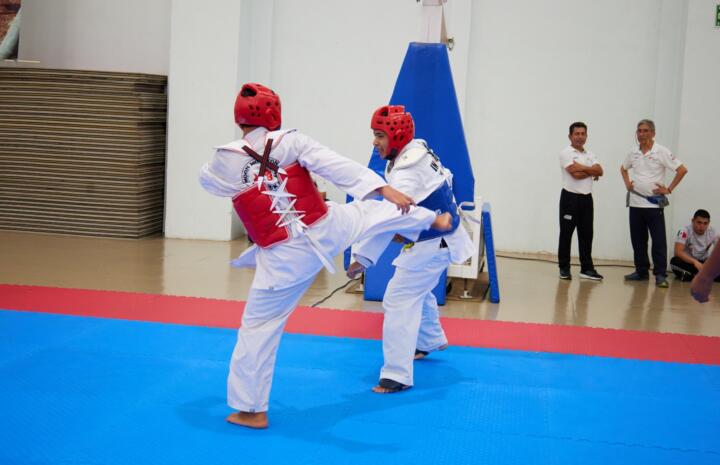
(693, 246)
(579, 167)
(643, 172)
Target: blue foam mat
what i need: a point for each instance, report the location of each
(98, 391)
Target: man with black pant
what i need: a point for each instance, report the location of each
(693, 246)
(646, 199)
(579, 167)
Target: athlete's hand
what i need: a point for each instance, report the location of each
(354, 270)
(402, 201)
(398, 238)
(442, 222)
(700, 288)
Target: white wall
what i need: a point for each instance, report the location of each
(128, 36)
(332, 69)
(538, 66)
(205, 61)
(524, 70)
(338, 64)
(700, 116)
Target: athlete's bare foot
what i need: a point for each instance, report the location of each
(442, 222)
(257, 420)
(382, 390)
(419, 354)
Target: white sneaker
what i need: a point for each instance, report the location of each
(591, 274)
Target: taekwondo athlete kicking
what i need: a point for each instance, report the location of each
(295, 232)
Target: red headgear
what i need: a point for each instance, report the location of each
(398, 124)
(257, 105)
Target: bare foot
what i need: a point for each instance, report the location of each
(257, 420)
(419, 354)
(354, 270)
(382, 390)
(442, 222)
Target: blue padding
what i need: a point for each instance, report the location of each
(440, 201)
(490, 254)
(425, 86)
(378, 276)
(94, 391)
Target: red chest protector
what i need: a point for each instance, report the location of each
(264, 225)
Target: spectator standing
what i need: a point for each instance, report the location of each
(579, 167)
(643, 172)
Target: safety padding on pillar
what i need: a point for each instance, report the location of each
(425, 87)
(494, 286)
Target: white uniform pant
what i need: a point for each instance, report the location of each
(412, 319)
(266, 311)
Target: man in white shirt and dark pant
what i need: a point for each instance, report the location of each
(648, 163)
(579, 168)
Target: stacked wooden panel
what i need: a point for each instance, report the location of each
(82, 152)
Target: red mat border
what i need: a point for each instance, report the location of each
(195, 311)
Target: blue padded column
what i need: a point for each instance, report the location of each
(425, 87)
(494, 286)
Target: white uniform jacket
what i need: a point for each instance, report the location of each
(416, 173)
(293, 261)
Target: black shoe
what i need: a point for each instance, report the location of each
(635, 276)
(565, 274)
(591, 274)
(661, 281)
(390, 386)
(683, 276)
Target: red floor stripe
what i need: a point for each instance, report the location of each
(327, 322)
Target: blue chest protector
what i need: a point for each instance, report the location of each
(440, 201)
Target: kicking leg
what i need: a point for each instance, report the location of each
(375, 218)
